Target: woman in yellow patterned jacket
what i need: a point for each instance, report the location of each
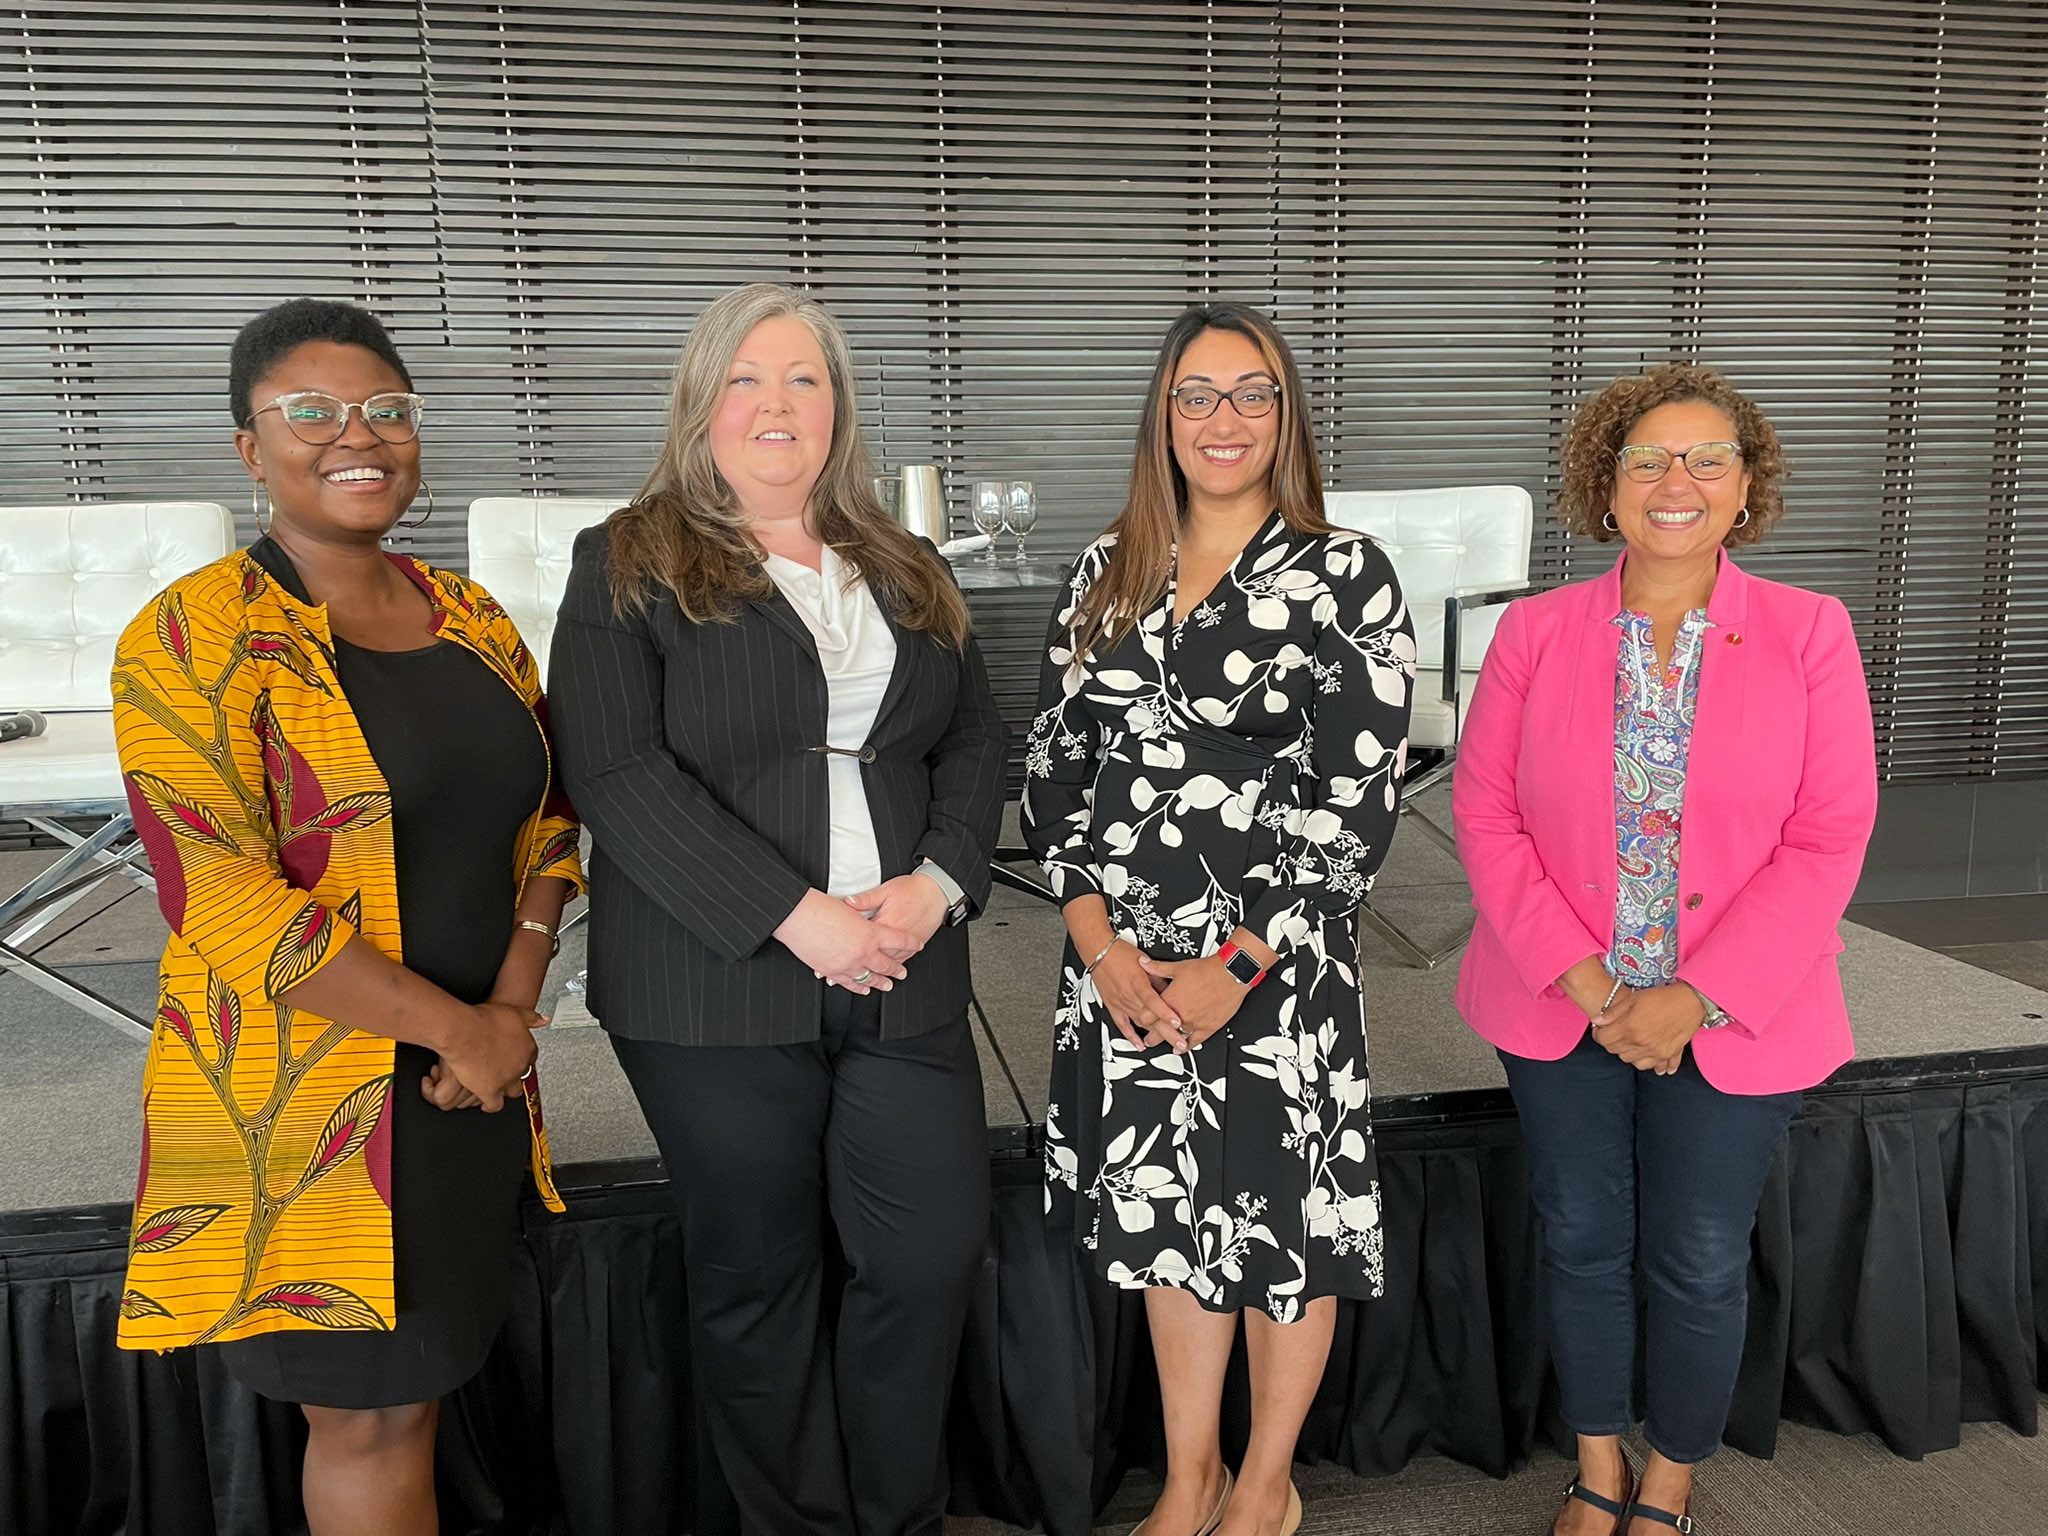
(338, 764)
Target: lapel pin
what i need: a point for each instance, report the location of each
(1734, 639)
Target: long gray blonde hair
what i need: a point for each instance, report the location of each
(686, 531)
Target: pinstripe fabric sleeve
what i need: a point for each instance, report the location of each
(967, 765)
(654, 820)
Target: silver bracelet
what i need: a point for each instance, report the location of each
(1102, 954)
(1612, 993)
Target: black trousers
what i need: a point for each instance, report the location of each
(819, 1427)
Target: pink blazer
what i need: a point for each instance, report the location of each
(1780, 795)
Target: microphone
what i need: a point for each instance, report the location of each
(21, 724)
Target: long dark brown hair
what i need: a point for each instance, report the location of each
(1149, 525)
(686, 532)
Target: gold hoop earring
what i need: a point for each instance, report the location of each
(259, 509)
(421, 520)
(1742, 521)
(1607, 521)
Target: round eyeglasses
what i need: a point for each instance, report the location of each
(1198, 402)
(314, 417)
(1647, 463)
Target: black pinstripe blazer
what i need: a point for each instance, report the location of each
(685, 749)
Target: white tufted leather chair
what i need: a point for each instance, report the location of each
(519, 549)
(1461, 551)
(71, 577)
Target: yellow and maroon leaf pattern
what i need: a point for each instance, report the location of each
(224, 1013)
(287, 653)
(181, 815)
(300, 949)
(349, 813)
(168, 1228)
(347, 1129)
(226, 760)
(135, 1305)
(460, 596)
(277, 758)
(319, 1302)
(171, 1014)
(173, 633)
(307, 633)
(557, 849)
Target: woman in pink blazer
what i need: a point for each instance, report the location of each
(1659, 1011)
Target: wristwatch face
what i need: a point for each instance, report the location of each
(1243, 967)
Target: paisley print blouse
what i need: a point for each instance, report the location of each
(1653, 715)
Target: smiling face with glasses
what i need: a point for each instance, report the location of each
(1225, 421)
(333, 436)
(1680, 483)
(320, 418)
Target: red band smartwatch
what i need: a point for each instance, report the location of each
(1240, 964)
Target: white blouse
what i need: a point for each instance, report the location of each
(857, 649)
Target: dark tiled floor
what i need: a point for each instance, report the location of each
(2007, 935)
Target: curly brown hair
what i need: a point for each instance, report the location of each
(1601, 426)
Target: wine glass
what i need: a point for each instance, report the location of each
(990, 503)
(1021, 511)
(889, 492)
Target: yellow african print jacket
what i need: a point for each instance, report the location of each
(264, 1196)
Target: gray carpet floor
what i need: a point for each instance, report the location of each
(2006, 934)
(1995, 1482)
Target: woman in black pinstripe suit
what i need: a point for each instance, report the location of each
(774, 722)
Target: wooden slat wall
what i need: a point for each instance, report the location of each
(1465, 214)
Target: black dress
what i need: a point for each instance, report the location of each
(465, 766)
(1239, 767)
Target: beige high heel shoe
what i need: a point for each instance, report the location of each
(1292, 1523)
(1222, 1503)
(1208, 1527)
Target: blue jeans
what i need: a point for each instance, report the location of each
(1621, 1159)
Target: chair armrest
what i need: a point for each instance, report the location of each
(1455, 605)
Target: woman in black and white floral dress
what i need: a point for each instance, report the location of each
(1211, 787)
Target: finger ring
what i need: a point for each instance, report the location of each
(863, 977)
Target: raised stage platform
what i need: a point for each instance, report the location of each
(1899, 1282)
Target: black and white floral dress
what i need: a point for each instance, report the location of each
(1241, 767)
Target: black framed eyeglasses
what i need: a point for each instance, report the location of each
(1198, 402)
(316, 417)
(1647, 463)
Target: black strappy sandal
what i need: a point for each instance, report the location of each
(1609, 1506)
(1679, 1523)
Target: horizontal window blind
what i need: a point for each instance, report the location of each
(1466, 216)
(1839, 205)
(167, 171)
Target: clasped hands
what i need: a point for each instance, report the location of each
(1176, 1003)
(864, 942)
(1648, 1028)
(861, 944)
(499, 1050)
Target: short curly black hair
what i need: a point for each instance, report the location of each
(1603, 421)
(260, 343)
